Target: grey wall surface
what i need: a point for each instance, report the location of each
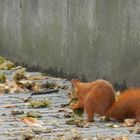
(90, 39)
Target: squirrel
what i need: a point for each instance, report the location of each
(126, 106)
(95, 97)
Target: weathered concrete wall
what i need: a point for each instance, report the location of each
(88, 38)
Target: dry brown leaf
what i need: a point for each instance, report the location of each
(129, 122)
(121, 138)
(31, 121)
(36, 77)
(10, 106)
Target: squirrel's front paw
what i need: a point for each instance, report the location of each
(73, 106)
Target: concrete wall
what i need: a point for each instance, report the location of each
(90, 39)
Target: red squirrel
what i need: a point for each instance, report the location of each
(126, 106)
(94, 97)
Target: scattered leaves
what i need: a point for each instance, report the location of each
(33, 114)
(53, 85)
(10, 106)
(17, 112)
(37, 77)
(50, 85)
(39, 103)
(39, 130)
(19, 75)
(111, 138)
(129, 122)
(31, 121)
(2, 78)
(135, 130)
(29, 85)
(6, 65)
(78, 122)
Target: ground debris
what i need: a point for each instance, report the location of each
(6, 65)
(27, 100)
(33, 114)
(2, 78)
(37, 77)
(79, 122)
(19, 74)
(17, 112)
(111, 138)
(29, 85)
(110, 125)
(39, 130)
(48, 123)
(10, 87)
(129, 122)
(134, 130)
(64, 105)
(53, 85)
(27, 135)
(31, 121)
(10, 106)
(39, 103)
(73, 135)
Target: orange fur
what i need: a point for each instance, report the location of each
(127, 106)
(94, 97)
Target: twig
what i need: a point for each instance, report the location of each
(45, 92)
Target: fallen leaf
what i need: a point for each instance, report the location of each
(33, 114)
(10, 106)
(16, 112)
(78, 122)
(31, 121)
(6, 65)
(129, 122)
(37, 77)
(19, 74)
(39, 103)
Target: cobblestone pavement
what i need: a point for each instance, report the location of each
(53, 121)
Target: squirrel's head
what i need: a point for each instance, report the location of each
(73, 92)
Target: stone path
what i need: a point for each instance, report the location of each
(54, 125)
